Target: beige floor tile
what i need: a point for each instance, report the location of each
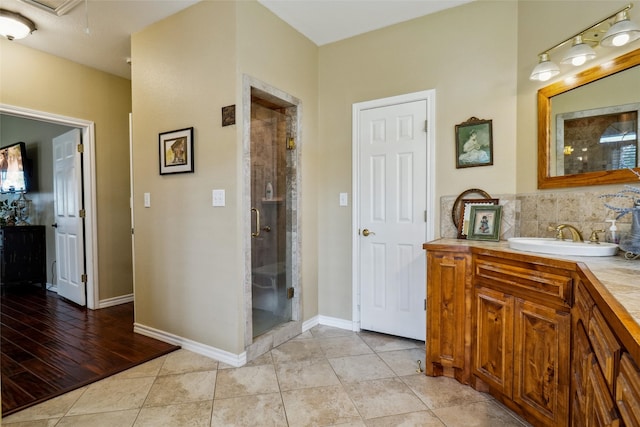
(350, 345)
(479, 414)
(36, 423)
(246, 381)
(257, 410)
(183, 361)
(265, 359)
(316, 373)
(297, 351)
(442, 392)
(54, 408)
(379, 398)
(319, 406)
(104, 419)
(404, 362)
(353, 369)
(195, 414)
(182, 388)
(380, 342)
(322, 331)
(413, 419)
(112, 395)
(149, 369)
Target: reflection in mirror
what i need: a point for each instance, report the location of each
(597, 140)
(588, 126)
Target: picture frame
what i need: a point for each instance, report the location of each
(465, 213)
(485, 222)
(176, 151)
(474, 143)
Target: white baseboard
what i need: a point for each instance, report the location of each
(308, 324)
(336, 323)
(110, 302)
(235, 360)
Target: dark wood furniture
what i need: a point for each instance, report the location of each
(542, 335)
(23, 255)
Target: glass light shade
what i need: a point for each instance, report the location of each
(545, 69)
(579, 53)
(14, 26)
(622, 32)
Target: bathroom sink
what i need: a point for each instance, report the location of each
(553, 246)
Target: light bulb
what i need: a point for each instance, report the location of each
(620, 39)
(579, 60)
(543, 77)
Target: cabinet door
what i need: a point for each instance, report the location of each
(580, 365)
(448, 336)
(493, 355)
(628, 391)
(601, 411)
(541, 361)
(605, 346)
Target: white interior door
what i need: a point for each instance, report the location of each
(392, 218)
(67, 189)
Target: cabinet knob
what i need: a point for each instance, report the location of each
(54, 225)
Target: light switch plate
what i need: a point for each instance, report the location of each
(218, 198)
(344, 201)
(147, 200)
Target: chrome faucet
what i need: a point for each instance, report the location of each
(576, 236)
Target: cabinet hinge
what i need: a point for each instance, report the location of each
(81, 213)
(290, 293)
(84, 278)
(80, 148)
(425, 304)
(425, 216)
(426, 125)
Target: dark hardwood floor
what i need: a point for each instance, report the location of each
(49, 346)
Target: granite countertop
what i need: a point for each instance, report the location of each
(620, 276)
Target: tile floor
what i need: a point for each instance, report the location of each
(324, 377)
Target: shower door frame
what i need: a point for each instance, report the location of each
(258, 345)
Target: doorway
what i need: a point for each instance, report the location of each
(272, 240)
(87, 175)
(393, 212)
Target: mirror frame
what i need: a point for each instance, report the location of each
(545, 180)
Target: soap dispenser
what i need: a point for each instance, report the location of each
(612, 235)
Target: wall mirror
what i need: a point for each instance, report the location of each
(588, 126)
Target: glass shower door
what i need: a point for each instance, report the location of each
(271, 303)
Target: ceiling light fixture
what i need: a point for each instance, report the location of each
(14, 26)
(620, 33)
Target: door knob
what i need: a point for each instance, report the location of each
(366, 232)
(54, 225)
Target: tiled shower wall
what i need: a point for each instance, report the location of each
(530, 215)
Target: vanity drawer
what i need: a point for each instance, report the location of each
(584, 303)
(530, 281)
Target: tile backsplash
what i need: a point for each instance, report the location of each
(530, 215)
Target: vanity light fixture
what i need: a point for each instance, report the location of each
(14, 26)
(579, 53)
(620, 33)
(545, 69)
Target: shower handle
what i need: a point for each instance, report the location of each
(257, 232)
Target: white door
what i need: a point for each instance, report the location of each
(67, 190)
(392, 218)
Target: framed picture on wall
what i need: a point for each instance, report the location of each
(484, 222)
(474, 143)
(176, 151)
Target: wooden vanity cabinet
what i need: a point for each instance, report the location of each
(543, 336)
(521, 349)
(449, 315)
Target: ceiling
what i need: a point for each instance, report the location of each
(97, 33)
